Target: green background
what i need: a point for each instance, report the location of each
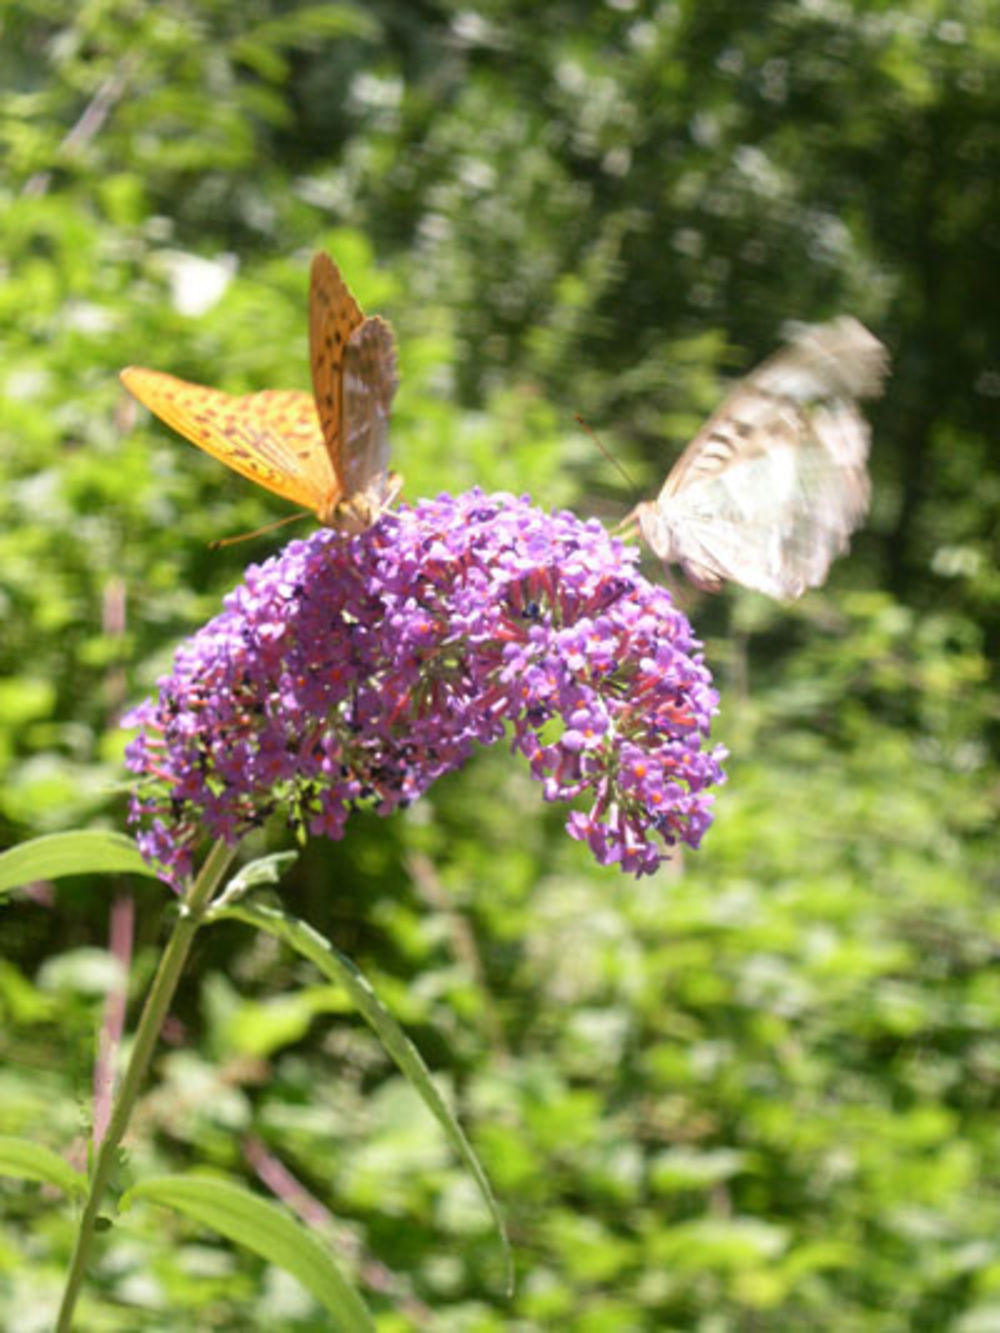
(759, 1091)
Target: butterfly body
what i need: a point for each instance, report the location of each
(327, 451)
(772, 486)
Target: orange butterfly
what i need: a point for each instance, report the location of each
(327, 451)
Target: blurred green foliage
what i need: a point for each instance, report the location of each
(759, 1092)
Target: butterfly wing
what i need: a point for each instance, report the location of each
(354, 377)
(773, 520)
(370, 381)
(772, 486)
(840, 359)
(334, 315)
(273, 437)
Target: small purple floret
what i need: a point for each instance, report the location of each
(355, 671)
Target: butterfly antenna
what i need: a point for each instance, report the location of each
(257, 532)
(612, 458)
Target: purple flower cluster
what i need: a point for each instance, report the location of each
(355, 671)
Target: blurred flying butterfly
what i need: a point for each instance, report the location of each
(774, 483)
(327, 451)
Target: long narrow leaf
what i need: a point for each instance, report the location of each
(26, 1160)
(339, 968)
(266, 1229)
(81, 852)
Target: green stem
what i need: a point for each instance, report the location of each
(192, 912)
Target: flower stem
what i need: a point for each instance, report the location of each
(193, 908)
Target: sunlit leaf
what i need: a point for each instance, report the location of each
(82, 852)
(266, 1229)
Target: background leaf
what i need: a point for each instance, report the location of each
(32, 1161)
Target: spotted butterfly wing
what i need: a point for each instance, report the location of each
(334, 316)
(272, 437)
(290, 442)
(772, 486)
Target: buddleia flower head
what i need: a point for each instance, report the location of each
(352, 672)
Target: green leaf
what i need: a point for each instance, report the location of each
(678, 1169)
(265, 870)
(339, 968)
(309, 24)
(82, 852)
(263, 1227)
(30, 1161)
